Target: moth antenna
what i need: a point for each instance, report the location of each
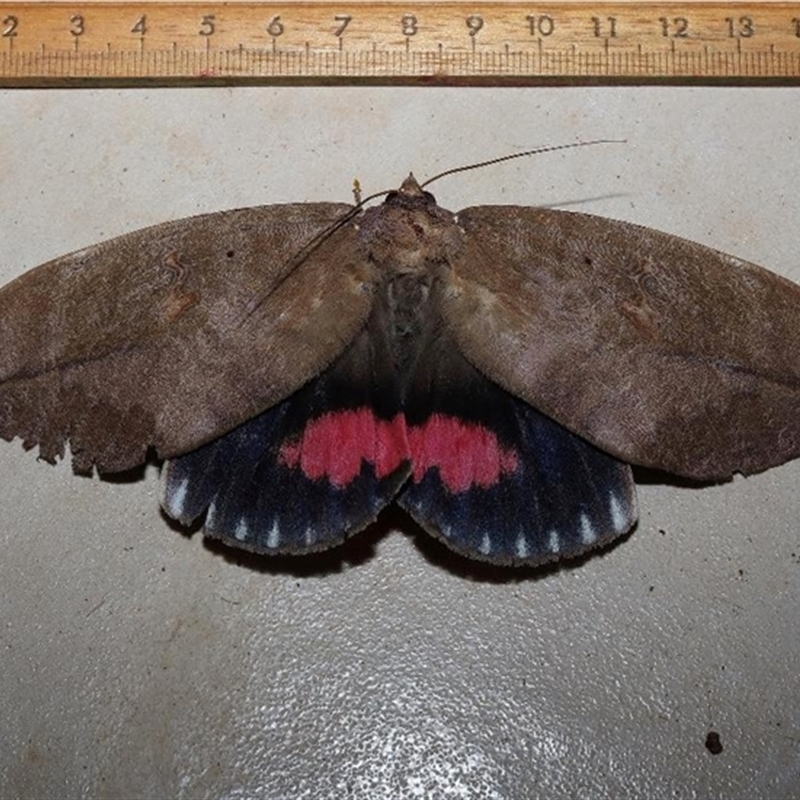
(535, 151)
(312, 244)
(368, 198)
(362, 201)
(297, 259)
(294, 262)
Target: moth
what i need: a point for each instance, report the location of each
(495, 371)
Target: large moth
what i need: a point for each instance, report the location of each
(495, 371)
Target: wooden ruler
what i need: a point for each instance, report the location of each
(50, 43)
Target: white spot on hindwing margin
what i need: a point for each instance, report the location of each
(241, 530)
(175, 499)
(274, 536)
(486, 545)
(553, 542)
(588, 533)
(522, 546)
(309, 537)
(618, 518)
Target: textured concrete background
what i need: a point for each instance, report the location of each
(137, 661)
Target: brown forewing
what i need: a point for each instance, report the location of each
(170, 336)
(658, 350)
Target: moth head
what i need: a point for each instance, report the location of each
(410, 195)
(408, 232)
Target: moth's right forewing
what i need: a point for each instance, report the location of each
(658, 350)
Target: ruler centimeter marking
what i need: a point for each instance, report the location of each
(49, 43)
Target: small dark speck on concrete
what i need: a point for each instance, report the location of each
(713, 743)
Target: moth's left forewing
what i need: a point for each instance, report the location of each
(170, 336)
(658, 350)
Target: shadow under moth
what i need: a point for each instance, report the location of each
(494, 371)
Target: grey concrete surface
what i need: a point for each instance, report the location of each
(137, 661)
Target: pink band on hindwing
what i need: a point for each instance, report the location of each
(467, 455)
(336, 444)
